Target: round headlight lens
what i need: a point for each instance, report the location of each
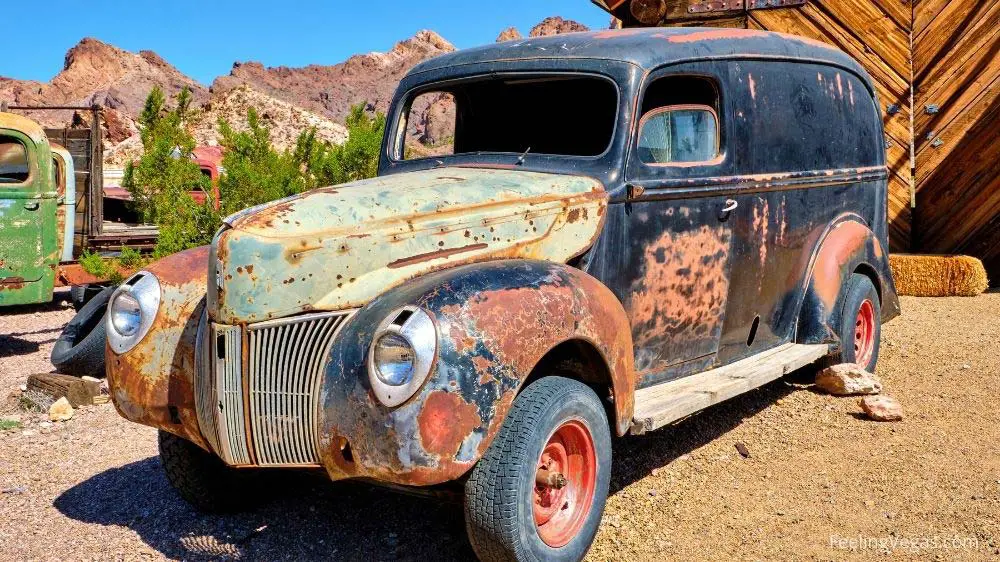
(393, 359)
(126, 315)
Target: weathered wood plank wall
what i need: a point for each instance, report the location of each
(956, 69)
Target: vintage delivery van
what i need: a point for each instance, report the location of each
(571, 238)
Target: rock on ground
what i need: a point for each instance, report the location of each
(847, 379)
(60, 410)
(882, 408)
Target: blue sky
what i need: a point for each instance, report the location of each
(204, 37)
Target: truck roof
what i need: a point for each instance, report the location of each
(652, 47)
(20, 123)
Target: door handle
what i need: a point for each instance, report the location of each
(32, 206)
(731, 205)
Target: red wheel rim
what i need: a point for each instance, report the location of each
(864, 334)
(561, 512)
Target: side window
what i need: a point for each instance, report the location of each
(13, 161)
(430, 126)
(680, 122)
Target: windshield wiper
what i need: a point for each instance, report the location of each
(520, 159)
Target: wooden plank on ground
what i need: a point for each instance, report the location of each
(76, 390)
(661, 404)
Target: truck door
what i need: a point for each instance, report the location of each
(677, 233)
(27, 220)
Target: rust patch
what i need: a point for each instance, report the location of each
(679, 302)
(447, 252)
(715, 34)
(445, 421)
(840, 246)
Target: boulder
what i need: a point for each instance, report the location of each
(847, 379)
(882, 408)
(60, 410)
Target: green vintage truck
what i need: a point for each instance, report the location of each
(51, 207)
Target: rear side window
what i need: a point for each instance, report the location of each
(680, 122)
(679, 134)
(13, 161)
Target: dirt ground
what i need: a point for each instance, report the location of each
(820, 483)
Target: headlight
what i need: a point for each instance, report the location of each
(125, 314)
(131, 312)
(401, 355)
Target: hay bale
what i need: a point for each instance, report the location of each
(938, 276)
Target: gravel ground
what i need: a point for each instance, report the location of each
(820, 482)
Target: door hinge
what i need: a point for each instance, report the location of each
(633, 191)
(716, 6)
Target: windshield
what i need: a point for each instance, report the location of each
(556, 115)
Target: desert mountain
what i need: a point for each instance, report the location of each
(332, 90)
(289, 98)
(97, 73)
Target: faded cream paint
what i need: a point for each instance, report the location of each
(340, 247)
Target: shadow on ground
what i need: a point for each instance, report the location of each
(308, 517)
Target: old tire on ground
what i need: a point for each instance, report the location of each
(79, 351)
(558, 424)
(858, 321)
(80, 295)
(202, 479)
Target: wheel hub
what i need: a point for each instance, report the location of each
(565, 481)
(864, 333)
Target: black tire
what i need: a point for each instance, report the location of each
(858, 290)
(500, 492)
(203, 479)
(79, 351)
(80, 295)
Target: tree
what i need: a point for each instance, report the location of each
(161, 180)
(356, 159)
(255, 172)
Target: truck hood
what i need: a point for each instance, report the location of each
(339, 247)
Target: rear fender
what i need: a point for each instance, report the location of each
(495, 322)
(845, 246)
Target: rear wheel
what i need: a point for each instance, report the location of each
(539, 491)
(859, 323)
(202, 479)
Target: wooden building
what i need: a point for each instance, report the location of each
(936, 66)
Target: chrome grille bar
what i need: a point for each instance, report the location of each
(286, 367)
(283, 375)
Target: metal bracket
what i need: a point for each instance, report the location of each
(765, 4)
(716, 6)
(892, 109)
(931, 109)
(937, 142)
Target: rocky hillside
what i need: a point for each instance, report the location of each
(97, 73)
(332, 90)
(316, 95)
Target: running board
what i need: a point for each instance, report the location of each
(664, 403)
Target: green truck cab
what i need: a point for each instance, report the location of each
(30, 207)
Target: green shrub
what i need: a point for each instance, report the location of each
(357, 159)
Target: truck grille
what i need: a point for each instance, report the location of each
(258, 389)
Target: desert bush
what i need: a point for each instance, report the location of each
(161, 180)
(255, 171)
(329, 164)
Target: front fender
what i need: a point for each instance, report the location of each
(494, 321)
(153, 383)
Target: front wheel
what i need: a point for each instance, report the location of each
(202, 479)
(539, 491)
(859, 323)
